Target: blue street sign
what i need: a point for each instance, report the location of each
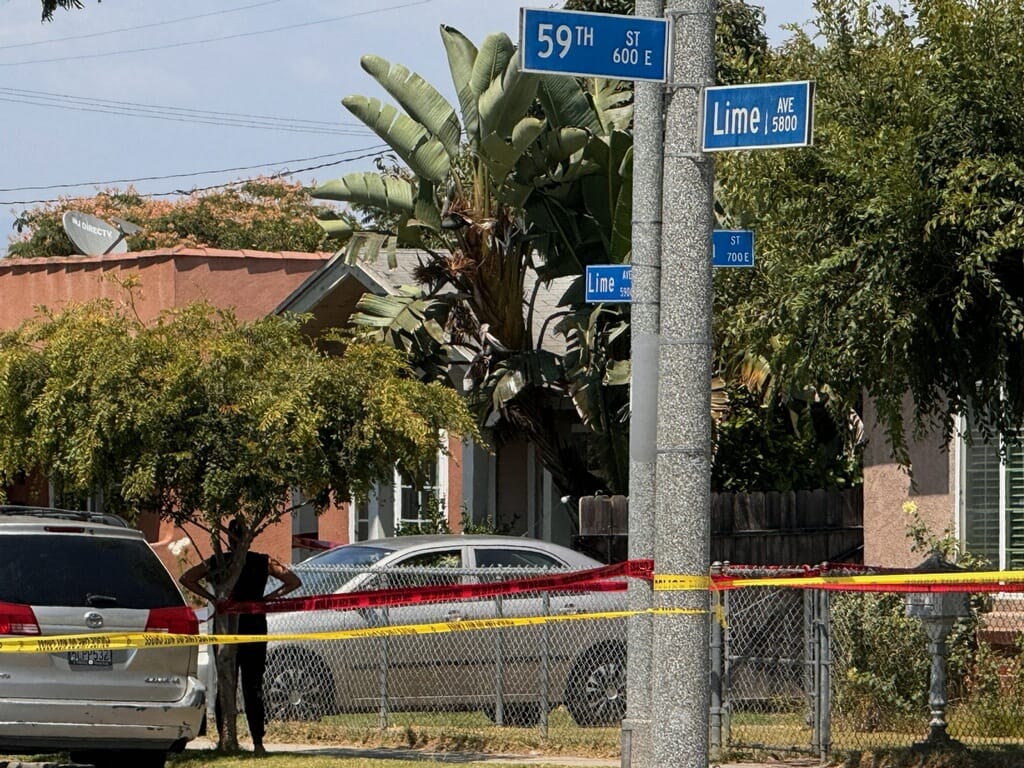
(608, 283)
(732, 248)
(593, 44)
(758, 116)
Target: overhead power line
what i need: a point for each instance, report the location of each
(180, 114)
(366, 153)
(161, 107)
(236, 36)
(136, 28)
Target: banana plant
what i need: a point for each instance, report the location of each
(527, 180)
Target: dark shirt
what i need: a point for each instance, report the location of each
(251, 586)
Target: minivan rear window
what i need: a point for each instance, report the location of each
(77, 571)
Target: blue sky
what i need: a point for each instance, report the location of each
(167, 92)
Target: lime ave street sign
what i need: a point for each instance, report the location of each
(732, 248)
(759, 116)
(593, 44)
(608, 283)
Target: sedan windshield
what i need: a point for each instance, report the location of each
(352, 554)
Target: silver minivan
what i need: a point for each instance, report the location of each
(72, 573)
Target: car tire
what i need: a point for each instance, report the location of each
(297, 685)
(121, 758)
(516, 715)
(595, 693)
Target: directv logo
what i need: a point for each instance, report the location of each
(91, 227)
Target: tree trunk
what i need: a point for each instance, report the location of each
(227, 683)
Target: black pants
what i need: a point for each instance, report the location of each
(250, 664)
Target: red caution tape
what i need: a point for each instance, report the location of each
(609, 578)
(593, 580)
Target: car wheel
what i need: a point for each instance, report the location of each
(516, 715)
(297, 685)
(595, 693)
(121, 758)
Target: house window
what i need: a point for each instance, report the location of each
(422, 507)
(993, 501)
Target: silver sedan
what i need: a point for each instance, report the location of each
(511, 672)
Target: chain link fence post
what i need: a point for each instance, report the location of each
(715, 719)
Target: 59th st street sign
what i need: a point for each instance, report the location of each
(759, 116)
(593, 44)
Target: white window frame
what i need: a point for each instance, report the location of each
(962, 492)
(439, 489)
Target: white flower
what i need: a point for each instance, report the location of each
(177, 548)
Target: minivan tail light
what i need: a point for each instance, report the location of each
(18, 619)
(177, 620)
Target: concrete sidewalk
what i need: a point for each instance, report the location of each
(396, 753)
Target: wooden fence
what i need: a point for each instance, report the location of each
(788, 527)
(771, 528)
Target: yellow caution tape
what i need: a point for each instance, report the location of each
(666, 582)
(885, 579)
(125, 640)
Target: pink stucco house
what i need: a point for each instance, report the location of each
(252, 282)
(964, 486)
(508, 486)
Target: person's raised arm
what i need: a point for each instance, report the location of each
(192, 581)
(289, 580)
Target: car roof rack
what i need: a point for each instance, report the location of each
(106, 518)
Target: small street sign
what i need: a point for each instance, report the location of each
(607, 283)
(732, 248)
(593, 44)
(758, 116)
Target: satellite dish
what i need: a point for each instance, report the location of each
(126, 227)
(92, 236)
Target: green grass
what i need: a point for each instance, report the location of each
(451, 732)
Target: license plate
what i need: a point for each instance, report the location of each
(102, 658)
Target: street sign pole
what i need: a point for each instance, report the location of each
(681, 625)
(645, 322)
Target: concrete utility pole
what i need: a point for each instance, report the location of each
(645, 323)
(679, 713)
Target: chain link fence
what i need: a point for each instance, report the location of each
(821, 671)
(801, 670)
(478, 662)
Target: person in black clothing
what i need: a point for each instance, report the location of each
(251, 658)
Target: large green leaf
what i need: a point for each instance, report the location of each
(547, 161)
(462, 56)
(419, 99)
(507, 99)
(366, 246)
(389, 194)
(622, 218)
(425, 155)
(412, 322)
(339, 229)
(613, 104)
(567, 105)
(491, 61)
(425, 211)
(501, 155)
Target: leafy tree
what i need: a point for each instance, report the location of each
(526, 148)
(203, 418)
(533, 183)
(262, 214)
(890, 256)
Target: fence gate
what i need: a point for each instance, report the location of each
(770, 670)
